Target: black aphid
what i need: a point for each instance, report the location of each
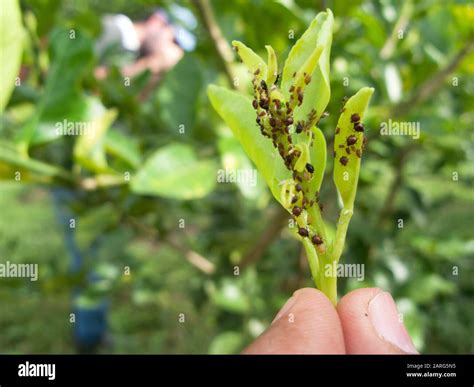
(303, 232)
(300, 98)
(255, 104)
(355, 118)
(296, 211)
(264, 103)
(316, 240)
(299, 127)
(298, 187)
(343, 160)
(288, 121)
(359, 127)
(351, 140)
(309, 168)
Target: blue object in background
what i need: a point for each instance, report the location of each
(90, 325)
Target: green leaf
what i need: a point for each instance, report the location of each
(178, 93)
(235, 160)
(346, 176)
(317, 153)
(12, 161)
(11, 47)
(317, 93)
(254, 63)
(123, 147)
(175, 172)
(89, 149)
(230, 297)
(272, 70)
(237, 112)
(62, 98)
(226, 343)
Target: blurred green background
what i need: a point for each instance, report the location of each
(173, 261)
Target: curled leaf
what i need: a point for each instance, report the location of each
(317, 92)
(255, 64)
(303, 159)
(237, 112)
(272, 69)
(348, 145)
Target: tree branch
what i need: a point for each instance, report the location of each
(193, 257)
(429, 87)
(275, 225)
(224, 51)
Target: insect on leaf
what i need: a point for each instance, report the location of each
(348, 146)
(317, 92)
(317, 153)
(237, 112)
(255, 64)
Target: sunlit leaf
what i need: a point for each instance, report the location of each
(11, 47)
(347, 157)
(255, 64)
(272, 70)
(174, 171)
(123, 147)
(317, 92)
(236, 110)
(226, 343)
(89, 149)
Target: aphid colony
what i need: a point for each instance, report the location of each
(351, 143)
(275, 119)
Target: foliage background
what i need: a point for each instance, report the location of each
(228, 225)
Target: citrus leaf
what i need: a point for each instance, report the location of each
(317, 153)
(272, 70)
(11, 47)
(317, 93)
(123, 147)
(254, 63)
(89, 149)
(237, 112)
(175, 172)
(347, 157)
(62, 99)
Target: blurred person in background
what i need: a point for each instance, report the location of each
(150, 44)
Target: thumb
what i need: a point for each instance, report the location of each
(371, 323)
(307, 323)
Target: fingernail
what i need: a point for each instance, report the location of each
(383, 315)
(285, 309)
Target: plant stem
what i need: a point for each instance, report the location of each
(223, 49)
(318, 222)
(328, 284)
(317, 264)
(312, 260)
(341, 231)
